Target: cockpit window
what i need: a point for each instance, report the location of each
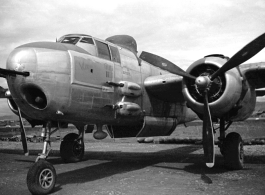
(70, 40)
(115, 54)
(87, 40)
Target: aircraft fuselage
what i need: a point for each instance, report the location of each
(70, 82)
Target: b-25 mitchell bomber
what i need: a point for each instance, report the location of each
(85, 81)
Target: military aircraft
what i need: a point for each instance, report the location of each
(82, 80)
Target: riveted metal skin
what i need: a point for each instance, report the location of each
(74, 81)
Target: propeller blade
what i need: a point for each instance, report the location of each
(207, 133)
(164, 64)
(23, 134)
(242, 55)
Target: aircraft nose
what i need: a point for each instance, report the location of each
(22, 59)
(40, 57)
(49, 65)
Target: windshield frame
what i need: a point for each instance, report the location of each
(70, 39)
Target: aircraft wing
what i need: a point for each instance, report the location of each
(255, 74)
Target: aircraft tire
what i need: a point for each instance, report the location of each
(41, 178)
(233, 151)
(70, 149)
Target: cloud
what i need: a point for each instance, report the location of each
(181, 31)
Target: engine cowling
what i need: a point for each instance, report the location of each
(226, 93)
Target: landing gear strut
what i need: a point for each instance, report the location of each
(41, 177)
(231, 147)
(72, 148)
(233, 151)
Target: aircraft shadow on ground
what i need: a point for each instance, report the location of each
(123, 162)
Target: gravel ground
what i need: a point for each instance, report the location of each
(123, 166)
(127, 167)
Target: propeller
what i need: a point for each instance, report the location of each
(23, 134)
(3, 94)
(164, 64)
(4, 73)
(204, 83)
(207, 133)
(247, 52)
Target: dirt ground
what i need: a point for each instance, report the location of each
(127, 167)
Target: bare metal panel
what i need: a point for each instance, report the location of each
(166, 87)
(91, 71)
(157, 126)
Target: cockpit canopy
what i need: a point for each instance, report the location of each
(93, 46)
(84, 41)
(70, 40)
(74, 39)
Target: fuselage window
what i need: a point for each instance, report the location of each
(115, 54)
(70, 40)
(87, 40)
(103, 50)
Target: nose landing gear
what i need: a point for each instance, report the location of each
(231, 147)
(41, 176)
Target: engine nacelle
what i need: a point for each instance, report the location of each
(226, 92)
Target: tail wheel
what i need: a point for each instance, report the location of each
(41, 178)
(233, 151)
(72, 149)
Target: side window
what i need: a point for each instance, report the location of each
(115, 54)
(103, 50)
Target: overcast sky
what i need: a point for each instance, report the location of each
(181, 31)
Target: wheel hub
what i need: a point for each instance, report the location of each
(46, 178)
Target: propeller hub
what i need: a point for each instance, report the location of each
(202, 81)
